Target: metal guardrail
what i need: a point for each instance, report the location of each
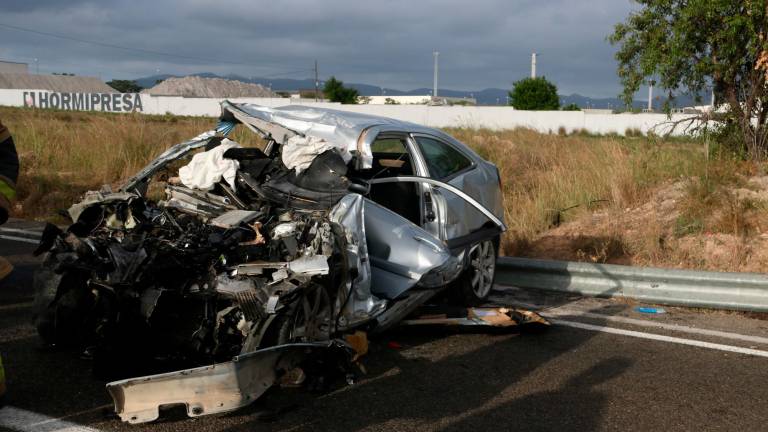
(737, 291)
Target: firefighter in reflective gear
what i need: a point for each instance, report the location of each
(9, 173)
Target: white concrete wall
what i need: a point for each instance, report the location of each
(13, 97)
(491, 117)
(209, 107)
(404, 99)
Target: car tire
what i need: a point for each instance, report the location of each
(476, 282)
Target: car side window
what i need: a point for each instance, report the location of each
(388, 146)
(442, 159)
(391, 157)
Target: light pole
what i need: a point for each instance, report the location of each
(37, 67)
(651, 83)
(317, 83)
(434, 82)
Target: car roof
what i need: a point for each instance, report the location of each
(341, 127)
(303, 118)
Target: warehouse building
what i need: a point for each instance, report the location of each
(53, 83)
(13, 67)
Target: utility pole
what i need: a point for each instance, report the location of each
(533, 65)
(434, 82)
(317, 83)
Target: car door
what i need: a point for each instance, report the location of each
(393, 157)
(449, 164)
(440, 197)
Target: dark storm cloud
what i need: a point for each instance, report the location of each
(485, 43)
(9, 6)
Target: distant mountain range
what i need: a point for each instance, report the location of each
(489, 96)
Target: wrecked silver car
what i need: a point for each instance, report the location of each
(256, 262)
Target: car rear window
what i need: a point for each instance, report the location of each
(442, 159)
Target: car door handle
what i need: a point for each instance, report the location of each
(430, 211)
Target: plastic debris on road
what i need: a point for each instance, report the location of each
(650, 310)
(477, 316)
(359, 343)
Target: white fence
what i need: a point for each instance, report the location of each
(491, 117)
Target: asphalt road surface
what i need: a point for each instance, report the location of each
(601, 366)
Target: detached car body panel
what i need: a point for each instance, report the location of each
(257, 259)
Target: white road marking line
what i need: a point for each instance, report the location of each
(674, 327)
(28, 232)
(79, 413)
(662, 338)
(28, 421)
(19, 239)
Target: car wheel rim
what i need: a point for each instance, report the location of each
(483, 263)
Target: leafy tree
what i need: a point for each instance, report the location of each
(125, 86)
(689, 45)
(335, 91)
(571, 107)
(534, 94)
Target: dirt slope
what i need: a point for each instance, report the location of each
(674, 227)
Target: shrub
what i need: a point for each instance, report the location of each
(534, 94)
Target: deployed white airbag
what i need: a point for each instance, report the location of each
(299, 151)
(209, 167)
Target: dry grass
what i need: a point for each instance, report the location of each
(637, 201)
(550, 179)
(602, 191)
(64, 154)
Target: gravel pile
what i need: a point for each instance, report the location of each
(194, 86)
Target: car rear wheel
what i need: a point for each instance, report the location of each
(477, 281)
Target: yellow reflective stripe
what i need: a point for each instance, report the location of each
(7, 190)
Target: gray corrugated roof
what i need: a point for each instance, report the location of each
(54, 83)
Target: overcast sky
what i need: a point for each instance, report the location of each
(482, 43)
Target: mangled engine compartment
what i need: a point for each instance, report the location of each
(195, 279)
(185, 286)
